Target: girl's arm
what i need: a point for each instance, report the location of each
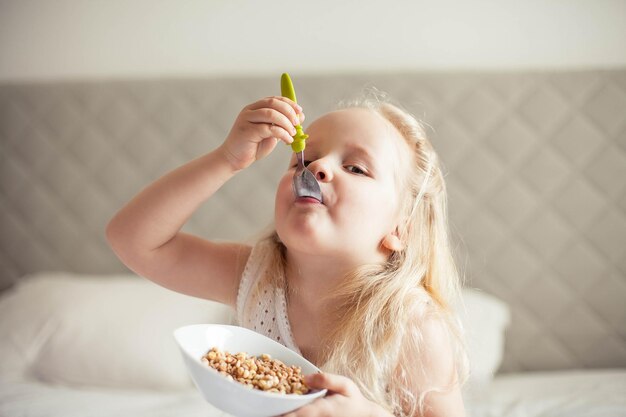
(145, 234)
(438, 358)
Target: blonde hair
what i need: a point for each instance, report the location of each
(379, 307)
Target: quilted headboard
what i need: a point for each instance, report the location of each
(536, 168)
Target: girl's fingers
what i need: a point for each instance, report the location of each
(335, 383)
(278, 133)
(273, 99)
(272, 123)
(289, 108)
(264, 131)
(265, 147)
(271, 116)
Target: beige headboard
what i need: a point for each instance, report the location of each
(536, 168)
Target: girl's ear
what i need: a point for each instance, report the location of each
(392, 241)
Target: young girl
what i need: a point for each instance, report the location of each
(361, 284)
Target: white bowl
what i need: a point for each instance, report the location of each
(231, 396)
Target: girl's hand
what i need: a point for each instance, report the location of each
(343, 399)
(258, 128)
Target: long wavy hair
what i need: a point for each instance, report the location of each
(379, 307)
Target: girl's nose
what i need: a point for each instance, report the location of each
(321, 170)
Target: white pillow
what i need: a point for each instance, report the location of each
(116, 331)
(101, 331)
(485, 319)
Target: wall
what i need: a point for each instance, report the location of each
(61, 39)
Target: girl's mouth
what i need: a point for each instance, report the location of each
(308, 200)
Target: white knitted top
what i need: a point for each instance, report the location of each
(262, 307)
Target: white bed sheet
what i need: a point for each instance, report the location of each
(34, 399)
(547, 394)
(600, 393)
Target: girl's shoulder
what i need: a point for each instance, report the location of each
(434, 324)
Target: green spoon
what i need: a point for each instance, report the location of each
(304, 182)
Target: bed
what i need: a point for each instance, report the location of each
(536, 166)
(102, 345)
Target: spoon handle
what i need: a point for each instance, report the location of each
(287, 90)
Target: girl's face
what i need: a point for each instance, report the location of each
(358, 158)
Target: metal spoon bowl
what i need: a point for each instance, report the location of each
(304, 182)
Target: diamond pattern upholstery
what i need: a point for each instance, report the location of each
(536, 166)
